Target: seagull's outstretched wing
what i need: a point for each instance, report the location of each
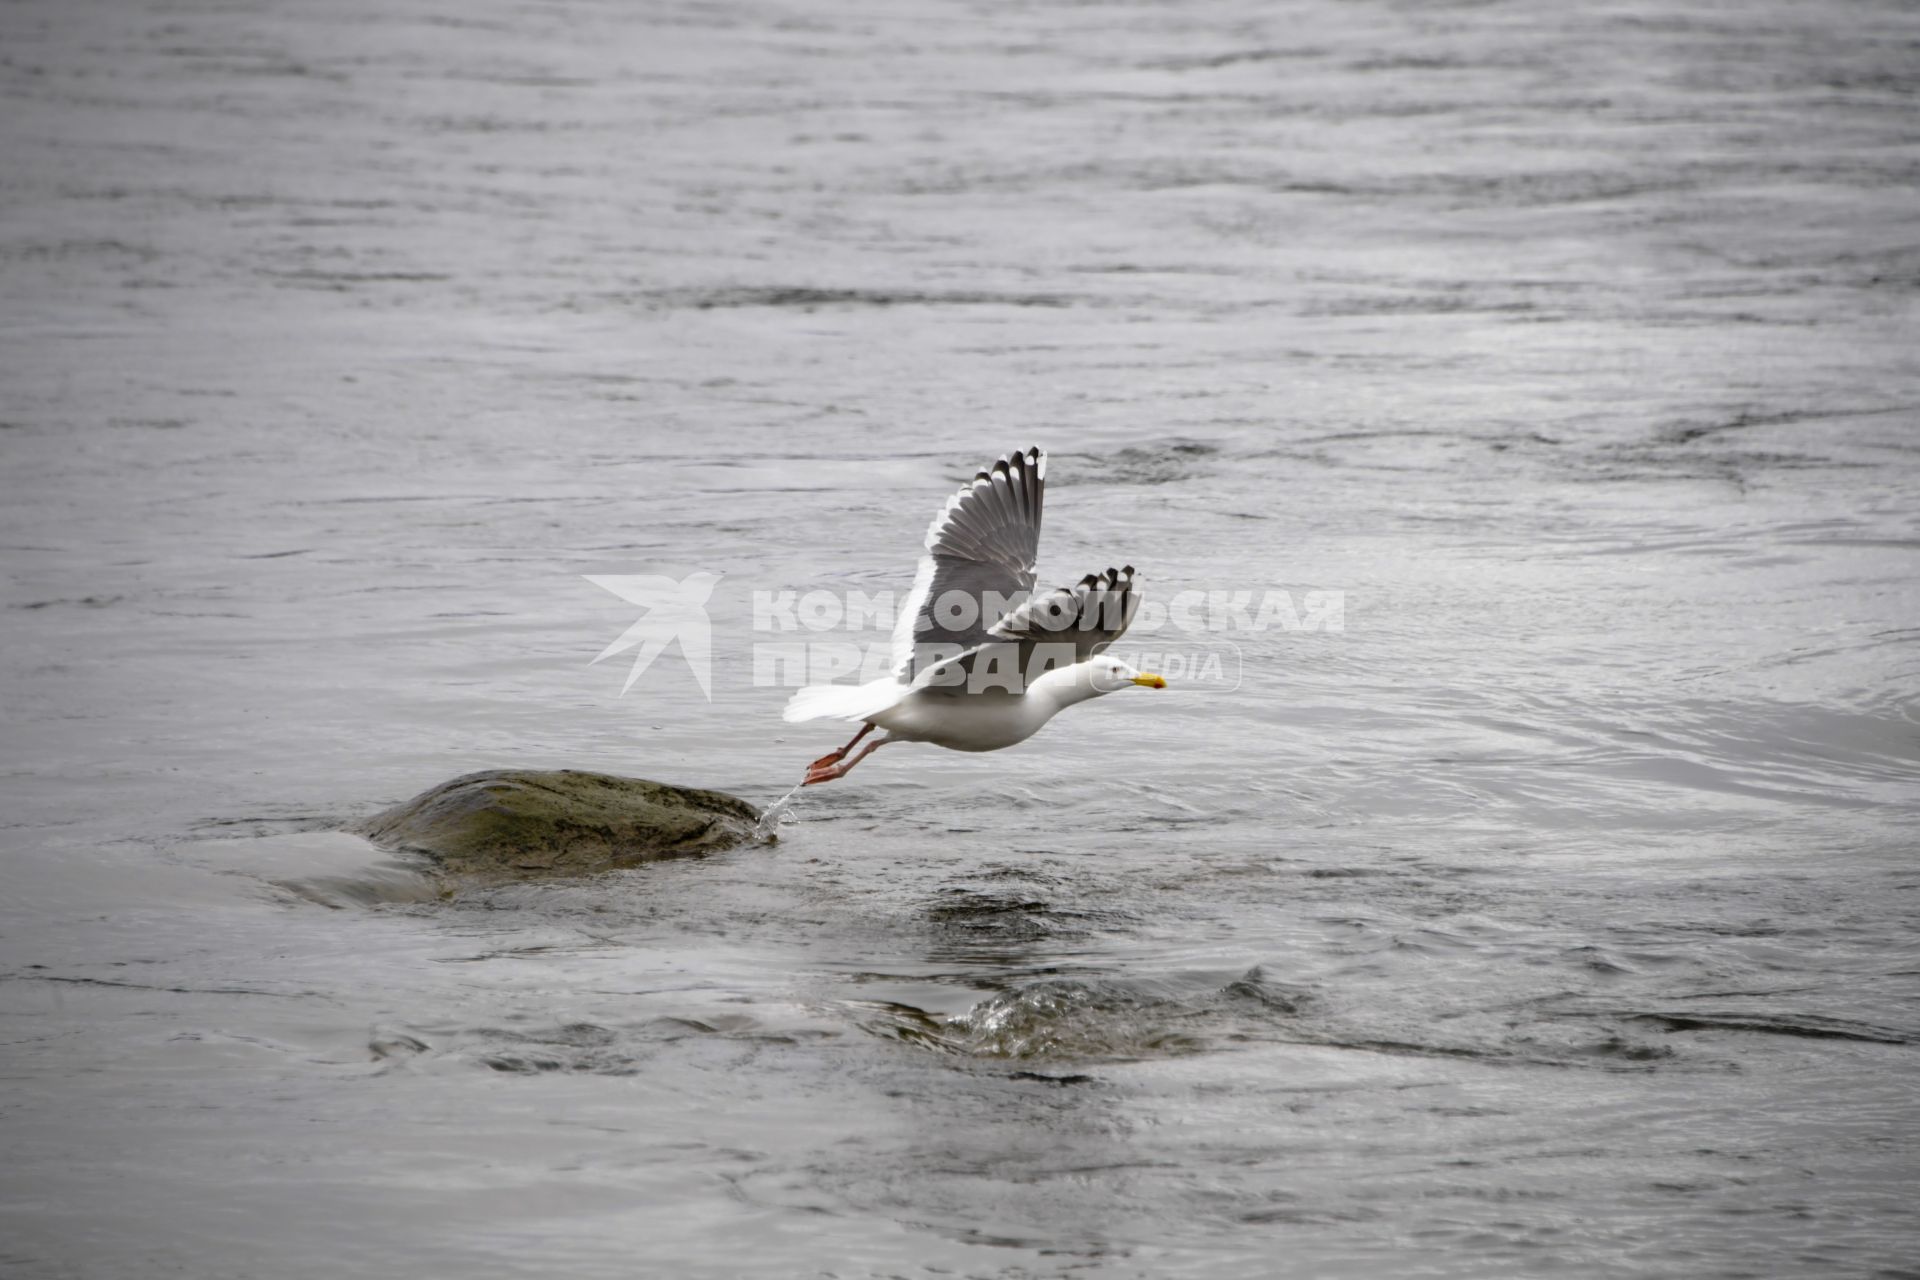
(981, 550)
(1090, 615)
(1065, 626)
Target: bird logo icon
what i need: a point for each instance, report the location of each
(673, 611)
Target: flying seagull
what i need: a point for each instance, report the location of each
(979, 663)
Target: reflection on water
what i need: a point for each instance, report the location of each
(1555, 917)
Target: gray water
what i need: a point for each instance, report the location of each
(1556, 917)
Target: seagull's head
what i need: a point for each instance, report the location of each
(1111, 675)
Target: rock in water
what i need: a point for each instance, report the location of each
(521, 823)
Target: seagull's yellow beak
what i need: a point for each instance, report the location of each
(1152, 682)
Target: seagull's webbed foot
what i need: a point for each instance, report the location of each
(829, 767)
(823, 767)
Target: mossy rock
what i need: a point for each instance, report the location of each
(515, 824)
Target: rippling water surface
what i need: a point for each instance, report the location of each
(1556, 917)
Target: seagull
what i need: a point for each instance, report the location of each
(978, 662)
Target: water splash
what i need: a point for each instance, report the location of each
(768, 828)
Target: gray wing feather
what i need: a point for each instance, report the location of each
(1068, 624)
(982, 545)
(1091, 614)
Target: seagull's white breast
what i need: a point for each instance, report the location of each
(968, 722)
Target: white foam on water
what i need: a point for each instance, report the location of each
(778, 813)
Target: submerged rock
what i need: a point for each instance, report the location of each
(523, 823)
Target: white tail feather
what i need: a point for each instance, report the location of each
(843, 701)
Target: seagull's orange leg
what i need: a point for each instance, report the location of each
(834, 757)
(828, 772)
